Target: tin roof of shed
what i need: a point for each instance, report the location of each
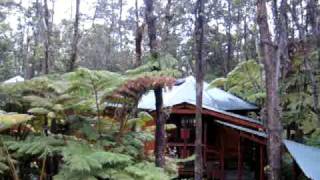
(14, 80)
(307, 158)
(186, 93)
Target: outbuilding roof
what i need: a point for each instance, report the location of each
(186, 93)
(307, 158)
(14, 80)
(244, 129)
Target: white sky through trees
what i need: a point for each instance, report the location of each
(65, 9)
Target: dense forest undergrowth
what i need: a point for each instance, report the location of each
(63, 132)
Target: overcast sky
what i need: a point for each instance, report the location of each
(65, 9)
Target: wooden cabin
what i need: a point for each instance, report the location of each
(234, 145)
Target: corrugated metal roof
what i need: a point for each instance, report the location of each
(307, 158)
(14, 80)
(231, 114)
(258, 133)
(186, 93)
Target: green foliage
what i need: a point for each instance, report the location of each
(165, 65)
(6, 54)
(6, 160)
(218, 82)
(9, 120)
(3, 159)
(90, 146)
(143, 118)
(314, 139)
(295, 92)
(296, 96)
(84, 82)
(40, 146)
(146, 171)
(81, 157)
(244, 81)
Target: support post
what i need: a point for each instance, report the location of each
(261, 162)
(205, 144)
(240, 163)
(294, 170)
(222, 155)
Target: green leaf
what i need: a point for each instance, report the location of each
(10, 120)
(38, 111)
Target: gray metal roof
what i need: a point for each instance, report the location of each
(258, 133)
(231, 114)
(14, 80)
(307, 158)
(186, 93)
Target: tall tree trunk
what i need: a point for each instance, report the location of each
(52, 61)
(295, 18)
(120, 23)
(160, 121)
(30, 62)
(313, 18)
(271, 63)
(139, 36)
(168, 17)
(74, 46)
(282, 34)
(245, 37)
(229, 40)
(45, 63)
(199, 29)
(27, 59)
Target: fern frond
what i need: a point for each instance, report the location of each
(41, 146)
(9, 120)
(82, 157)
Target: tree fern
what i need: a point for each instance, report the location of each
(12, 119)
(244, 81)
(40, 146)
(88, 147)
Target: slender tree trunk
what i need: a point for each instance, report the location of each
(138, 39)
(271, 64)
(282, 33)
(139, 36)
(120, 23)
(245, 37)
(160, 129)
(229, 40)
(29, 66)
(52, 61)
(295, 18)
(27, 59)
(314, 20)
(199, 29)
(160, 121)
(168, 17)
(74, 50)
(45, 63)
(30, 62)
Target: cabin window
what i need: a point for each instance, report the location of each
(188, 122)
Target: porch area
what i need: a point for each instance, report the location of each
(230, 151)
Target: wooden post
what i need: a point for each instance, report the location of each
(222, 155)
(185, 148)
(240, 164)
(294, 170)
(261, 162)
(205, 144)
